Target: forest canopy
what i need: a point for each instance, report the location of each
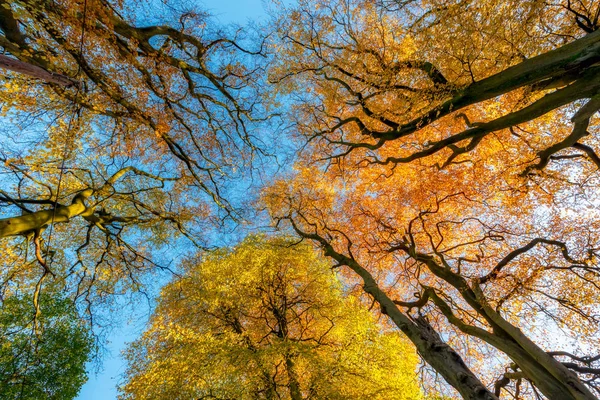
(445, 164)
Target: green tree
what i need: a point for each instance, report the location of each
(42, 356)
(266, 319)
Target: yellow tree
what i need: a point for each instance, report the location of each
(267, 319)
(453, 172)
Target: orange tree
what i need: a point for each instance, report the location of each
(451, 168)
(173, 83)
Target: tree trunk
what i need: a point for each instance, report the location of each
(430, 346)
(36, 72)
(437, 353)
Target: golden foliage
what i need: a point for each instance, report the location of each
(262, 320)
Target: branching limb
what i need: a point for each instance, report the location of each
(581, 122)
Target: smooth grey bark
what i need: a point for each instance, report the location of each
(553, 379)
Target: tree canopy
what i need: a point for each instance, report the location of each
(455, 148)
(446, 164)
(43, 358)
(132, 156)
(267, 319)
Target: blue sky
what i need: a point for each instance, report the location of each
(102, 385)
(238, 11)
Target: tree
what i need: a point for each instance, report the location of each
(43, 357)
(186, 90)
(451, 168)
(266, 319)
(97, 175)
